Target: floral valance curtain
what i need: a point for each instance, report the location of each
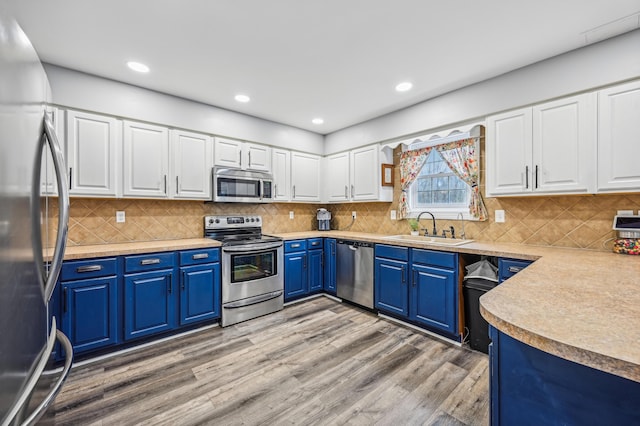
(461, 158)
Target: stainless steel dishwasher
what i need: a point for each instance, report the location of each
(354, 272)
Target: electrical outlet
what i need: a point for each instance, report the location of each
(291, 215)
(500, 216)
(394, 215)
(625, 212)
(353, 215)
(120, 218)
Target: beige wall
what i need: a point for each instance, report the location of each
(564, 221)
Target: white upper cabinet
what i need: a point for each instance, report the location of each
(92, 149)
(618, 133)
(365, 173)
(146, 158)
(191, 164)
(548, 148)
(242, 155)
(356, 176)
(337, 185)
(281, 169)
(305, 177)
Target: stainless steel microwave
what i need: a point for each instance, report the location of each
(242, 186)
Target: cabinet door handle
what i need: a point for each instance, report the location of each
(177, 185)
(145, 262)
(70, 176)
(304, 261)
(403, 278)
(315, 243)
(240, 158)
(294, 192)
(184, 279)
(249, 163)
(65, 292)
(346, 192)
(536, 176)
(515, 269)
(165, 184)
(295, 245)
(322, 261)
(415, 277)
(88, 268)
(200, 256)
(275, 190)
(170, 284)
(526, 177)
(351, 191)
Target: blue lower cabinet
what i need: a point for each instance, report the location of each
(90, 313)
(316, 270)
(303, 267)
(391, 286)
(149, 303)
(295, 275)
(434, 298)
(531, 387)
(329, 283)
(199, 293)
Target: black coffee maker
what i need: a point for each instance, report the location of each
(324, 217)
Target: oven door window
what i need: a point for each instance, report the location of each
(253, 266)
(238, 188)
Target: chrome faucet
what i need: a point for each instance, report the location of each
(426, 232)
(463, 235)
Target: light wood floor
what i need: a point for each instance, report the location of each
(316, 362)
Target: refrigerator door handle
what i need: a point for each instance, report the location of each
(35, 376)
(63, 208)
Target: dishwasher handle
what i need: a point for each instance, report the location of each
(354, 245)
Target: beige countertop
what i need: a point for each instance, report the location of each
(580, 305)
(104, 250)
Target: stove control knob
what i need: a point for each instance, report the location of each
(210, 221)
(217, 220)
(257, 219)
(250, 219)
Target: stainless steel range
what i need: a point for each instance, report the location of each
(252, 267)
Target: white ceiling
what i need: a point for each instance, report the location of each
(300, 59)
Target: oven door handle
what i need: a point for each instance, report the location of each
(252, 300)
(250, 247)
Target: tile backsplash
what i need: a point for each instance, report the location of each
(579, 221)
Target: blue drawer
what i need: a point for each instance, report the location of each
(509, 267)
(295, 245)
(435, 258)
(149, 262)
(392, 252)
(81, 269)
(314, 243)
(197, 257)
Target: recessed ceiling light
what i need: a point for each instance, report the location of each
(404, 86)
(137, 66)
(317, 120)
(242, 98)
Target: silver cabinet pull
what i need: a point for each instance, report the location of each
(351, 191)
(295, 245)
(275, 190)
(165, 184)
(200, 256)
(149, 261)
(536, 176)
(294, 192)
(240, 158)
(515, 269)
(403, 278)
(177, 185)
(70, 177)
(315, 243)
(249, 163)
(526, 177)
(63, 206)
(184, 278)
(88, 268)
(346, 192)
(170, 284)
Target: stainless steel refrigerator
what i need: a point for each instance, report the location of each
(27, 273)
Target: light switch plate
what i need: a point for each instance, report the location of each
(120, 217)
(394, 215)
(500, 216)
(291, 214)
(353, 215)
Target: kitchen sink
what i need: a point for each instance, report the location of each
(429, 240)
